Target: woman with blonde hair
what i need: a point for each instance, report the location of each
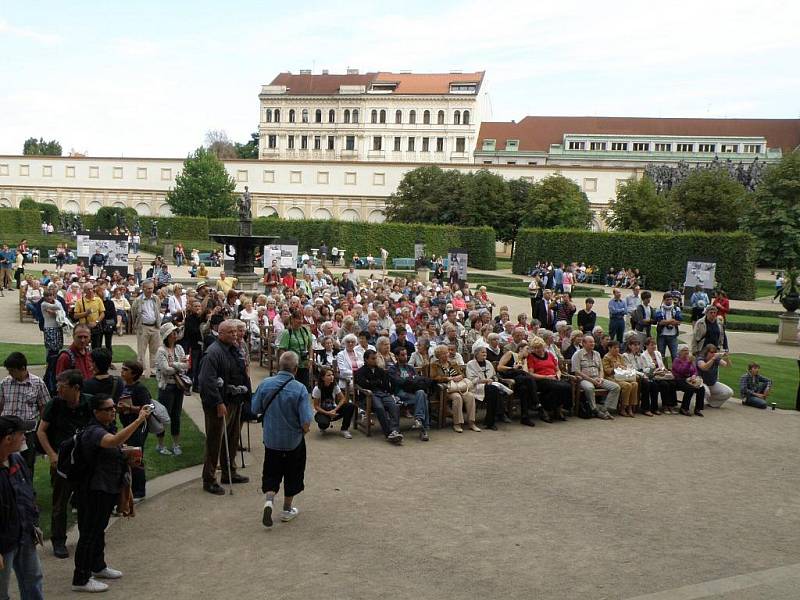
(628, 389)
(444, 370)
(385, 357)
(514, 365)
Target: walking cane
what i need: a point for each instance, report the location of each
(227, 453)
(241, 446)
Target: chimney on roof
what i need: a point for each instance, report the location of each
(305, 71)
(324, 71)
(352, 71)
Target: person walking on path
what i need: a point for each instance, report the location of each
(287, 418)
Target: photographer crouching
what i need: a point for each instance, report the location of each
(101, 448)
(224, 385)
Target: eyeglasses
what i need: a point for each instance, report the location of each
(106, 409)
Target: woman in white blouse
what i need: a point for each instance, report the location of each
(661, 376)
(348, 361)
(177, 301)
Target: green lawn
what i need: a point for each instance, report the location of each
(765, 288)
(36, 353)
(782, 372)
(504, 263)
(192, 443)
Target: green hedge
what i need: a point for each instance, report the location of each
(18, 222)
(661, 257)
(364, 238)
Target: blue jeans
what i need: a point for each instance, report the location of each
(616, 328)
(179, 259)
(25, 562)
(419, 400)
(668, 341)
(387, 411)
(751, 400)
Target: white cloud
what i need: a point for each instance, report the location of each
(41, 37)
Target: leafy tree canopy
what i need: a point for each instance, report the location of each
(638, 207)
(557, 202)
(708, 200)
(203, 188)
(32, 147)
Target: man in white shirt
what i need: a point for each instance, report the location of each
(146, 315)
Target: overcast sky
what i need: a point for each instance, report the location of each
(149, 78)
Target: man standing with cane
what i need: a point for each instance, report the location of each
(287, 418)
(223, 388)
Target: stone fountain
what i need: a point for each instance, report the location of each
(243, 245)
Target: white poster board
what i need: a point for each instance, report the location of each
(457, 258)
(700, 273)
(114, 247)
(285, 254)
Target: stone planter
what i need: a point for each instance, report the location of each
(791, 302)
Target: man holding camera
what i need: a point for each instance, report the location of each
(224, 385)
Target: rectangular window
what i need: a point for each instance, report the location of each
(377, 143)
(488, 145)
(487, 162)
(4, 169)
(440, 144)
(269, 176)
(330, 142)
(641, 146)
(685, 147)
(411, 142)
(706, 147)
(577, 145)
(662, 147)
(511, 162)
(729, 148)
(166, 174)
(241, 175)
(379, 179)
(752, 148)
(25, 170)
(47, 171)
(512, 145)
(619, 145)
(290, 142)
(590, 185)
(317, 142)
(323, 177)
(426, 144)
(597, 146)
(350, 142)
(70, 172)
(272, 142)
(397, 144)
(117, 173)
(350, 178)
(94, 172)
(295, 177)
(303, 142)
(141, 173)
(461, 144)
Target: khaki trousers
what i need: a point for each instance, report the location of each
(216, 453)
(147, 338)
(458, 401)
(628, 392)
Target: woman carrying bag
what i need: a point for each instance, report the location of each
(172, 364)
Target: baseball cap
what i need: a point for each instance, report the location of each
(10, 424)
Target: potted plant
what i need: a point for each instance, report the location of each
(790, 297)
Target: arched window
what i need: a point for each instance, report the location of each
(465, 120)
(291, 115)
(277, 115)
(412, 117)
(346, 115)
(305, 115)
(318, 116)
(355, 115)
(268, 115)
(331, 116)
(440, 118)
(426, 117)
(398, 116)
(383, 116)
(374, 116)
(457, 118)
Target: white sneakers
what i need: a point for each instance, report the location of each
(266, 516)
(288, 515)
(347, 435)
(94, 585)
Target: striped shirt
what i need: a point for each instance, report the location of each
(23, 399)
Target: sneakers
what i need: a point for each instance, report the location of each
(60, 550)
(93, 586)
(107, 573)
(395, 437)
(176, 450)
(347, 435)
(138, 499)
(417, 424)
(288, 515)
(163, 451)
(423, 436)
(266, 516)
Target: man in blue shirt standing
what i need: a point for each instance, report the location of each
(287, 418)
(617, 309)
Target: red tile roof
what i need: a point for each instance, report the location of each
(407, 83)
(538, 133)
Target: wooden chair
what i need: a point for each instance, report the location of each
(24, 313)
(267, 356)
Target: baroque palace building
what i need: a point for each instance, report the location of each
(336, 146)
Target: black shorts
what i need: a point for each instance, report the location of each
(286, 465)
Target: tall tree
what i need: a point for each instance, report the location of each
(32, 147)
(638, 207)
(218, 143)
(557, 202)
(708, 200)
(428, 195)
(519, 191)
(203, 188)
(249, 149)
(487, 201)
(774, 215)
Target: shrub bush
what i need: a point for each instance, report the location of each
(20, 221)
(179, 228)
(661, 257)
(46, 212)
(364, 238)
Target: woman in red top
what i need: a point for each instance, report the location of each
(288, 280)
(555, 394)
(722, 303)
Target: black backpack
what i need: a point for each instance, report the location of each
(584, 407)
(73, 464)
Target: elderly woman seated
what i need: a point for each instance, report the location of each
(458, 391)
(555, 394)
(484, 380)
(385, 357)
(348, 361)
(613, 366)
